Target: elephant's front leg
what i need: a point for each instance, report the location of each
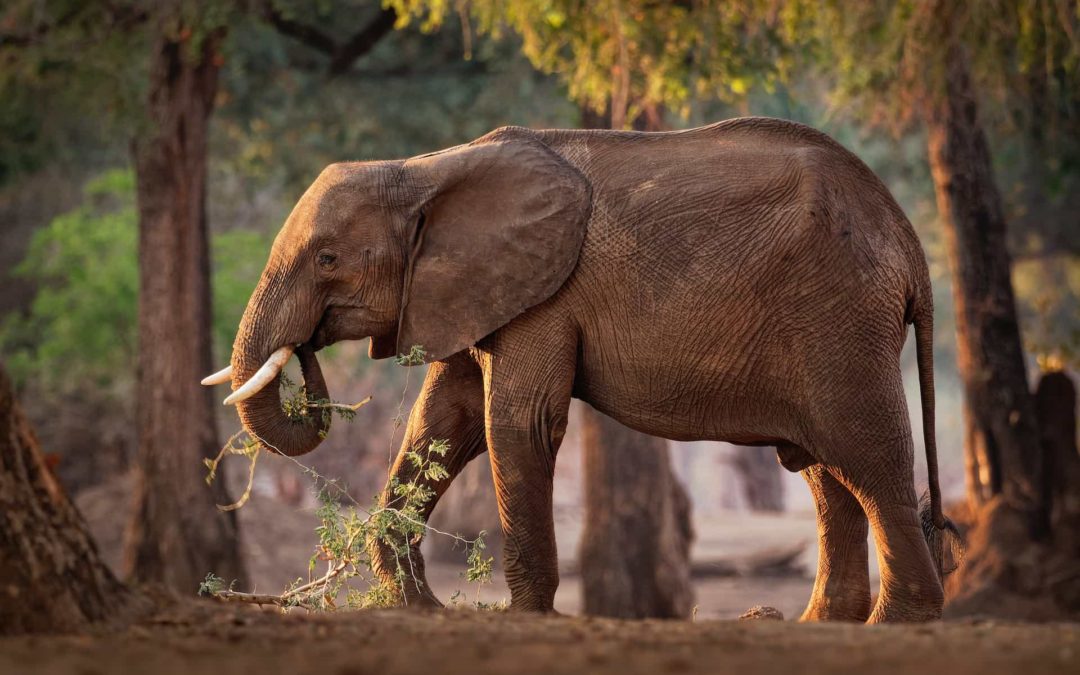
(451, 407)
(527, 403)
(842, 586)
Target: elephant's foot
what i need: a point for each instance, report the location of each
(532, 608)
(533, 600)
(849, 607)
(414, 593)
(530, 593)
(413, 590)
(918, 602)
(910, 588)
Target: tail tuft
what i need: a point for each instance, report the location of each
(945, 541)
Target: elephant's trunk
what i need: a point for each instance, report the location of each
(294, 433)
(270, 323)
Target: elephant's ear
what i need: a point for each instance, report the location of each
(500, 223)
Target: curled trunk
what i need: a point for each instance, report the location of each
(289, 433)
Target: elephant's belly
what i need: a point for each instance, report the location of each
(706, 399)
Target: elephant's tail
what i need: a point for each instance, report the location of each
(936, 527)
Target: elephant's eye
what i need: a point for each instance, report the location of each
(327, 260)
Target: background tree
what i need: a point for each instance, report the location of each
(635, 547)
(177, 533)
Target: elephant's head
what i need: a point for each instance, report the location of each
(437, 251)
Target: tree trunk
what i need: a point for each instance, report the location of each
(1059, 498)
(635, 549)
(1013, 567)
(1002, 441)
(51, 578)
(759, 473)
(177, 535)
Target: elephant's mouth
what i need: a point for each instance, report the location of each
(333, 326)
(348, 322)
(324, 330)
(255, 374)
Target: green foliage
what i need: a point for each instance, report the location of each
(633, 53)
(60, 59)
(82, 326)
(413, 93)
(1051, 311)
(887, 57)
(415, 357)
(213, 584)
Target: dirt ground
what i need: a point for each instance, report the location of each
(207, 638)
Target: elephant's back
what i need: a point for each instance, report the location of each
(741, 201)
(739, 158)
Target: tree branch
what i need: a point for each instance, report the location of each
(342, 56)
(363, 42)
(308, 35)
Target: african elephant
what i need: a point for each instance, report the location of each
(749, 281)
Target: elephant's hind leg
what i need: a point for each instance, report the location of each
(450, 407)
(842, 586)
(876, 465)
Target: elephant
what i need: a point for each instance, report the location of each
(749, 281)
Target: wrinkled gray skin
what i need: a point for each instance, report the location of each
(750, 281)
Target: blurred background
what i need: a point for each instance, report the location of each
(294, 86)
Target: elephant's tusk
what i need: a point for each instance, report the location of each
(262, 377)
(223, 375)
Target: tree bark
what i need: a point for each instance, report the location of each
(177, 535)
(1002, 441)
(51, 577)
(1059, 498)
(635, 549)
(760, 475)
